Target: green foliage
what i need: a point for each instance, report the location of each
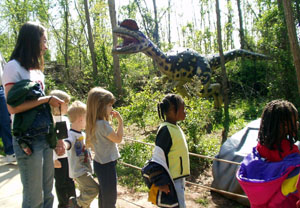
(129, 10)
(136, 71)
(202, 201)
(247, 109)
(281, 77)
(135, 154)
(141, 108)
(247, 78)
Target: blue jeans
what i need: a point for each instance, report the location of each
(107, 177)
(37, 172)
(5, 128)
(179, 187)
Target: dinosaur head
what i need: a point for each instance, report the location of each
(134, 41)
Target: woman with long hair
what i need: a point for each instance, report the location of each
(23, 80)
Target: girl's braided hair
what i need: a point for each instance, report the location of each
(168, 101)
(278, 122)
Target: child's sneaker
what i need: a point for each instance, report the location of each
(10, 158)
(73, 203)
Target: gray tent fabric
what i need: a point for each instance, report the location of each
(234, 149)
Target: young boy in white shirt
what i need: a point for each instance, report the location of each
(80, 157)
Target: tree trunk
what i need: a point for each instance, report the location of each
(242, 36)
(90, 39)
(66, 54)
(169, 22)
(297, 2)
(289, 18)
(224, 76)
(155, 33)
(117, 73)
(229, 27)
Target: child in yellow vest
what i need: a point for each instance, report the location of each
(170, 163)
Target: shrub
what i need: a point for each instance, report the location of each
(135, 154)
(142, 108)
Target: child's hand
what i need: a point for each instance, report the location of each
(57, 164)
(116, 114)
(164, 188)
(60, 148)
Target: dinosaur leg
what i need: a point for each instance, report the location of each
(181, 89)
(215, 91)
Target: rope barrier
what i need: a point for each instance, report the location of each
(213, 158)
(194, 184)
(129, 165)
(190, 153)
(216, 190)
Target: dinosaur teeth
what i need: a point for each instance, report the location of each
(124, 46)
(127, 41)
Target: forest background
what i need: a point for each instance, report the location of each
(79, 58)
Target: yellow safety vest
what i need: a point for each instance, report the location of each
(178, 157)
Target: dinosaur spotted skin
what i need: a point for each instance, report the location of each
(181, 65)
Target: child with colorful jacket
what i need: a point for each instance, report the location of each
(270, 174)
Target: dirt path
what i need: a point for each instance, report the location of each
(195, 197)
(11, 193)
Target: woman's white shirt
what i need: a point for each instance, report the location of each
(14, 72)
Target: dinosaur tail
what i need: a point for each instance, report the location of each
(215, 60)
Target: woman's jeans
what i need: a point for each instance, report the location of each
(107, 177)
(37, 173)
(5, 128)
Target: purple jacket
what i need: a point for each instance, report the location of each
(270, 184)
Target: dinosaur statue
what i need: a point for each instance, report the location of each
(180, 67)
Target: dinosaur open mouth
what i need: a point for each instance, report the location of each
(127, 41)
(130, 39)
